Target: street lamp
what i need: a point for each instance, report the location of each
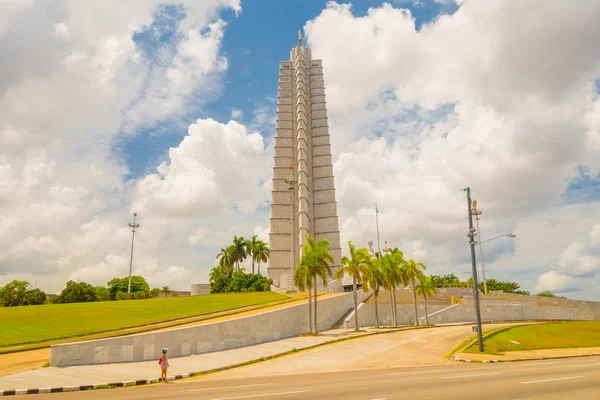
(510, 235)
(132, 226)
(477, 213)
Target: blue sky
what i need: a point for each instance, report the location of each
(253, 49)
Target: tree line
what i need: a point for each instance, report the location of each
(229, 277)
(21, 293)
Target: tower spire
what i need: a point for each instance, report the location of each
(300, 37)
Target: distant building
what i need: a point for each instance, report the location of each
(200, 289)
(179, 293)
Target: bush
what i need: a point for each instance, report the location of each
(123, 296)
(102, 293)
(138, 284)
(238, 282)
(19, 293)
(35, 297)
(77, 292)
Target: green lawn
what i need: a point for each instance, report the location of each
(544, 336)
(31, 324)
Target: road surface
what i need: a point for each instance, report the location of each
(575, 378)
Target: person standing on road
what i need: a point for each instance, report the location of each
(164, 364)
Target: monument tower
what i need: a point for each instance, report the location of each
(303, 196)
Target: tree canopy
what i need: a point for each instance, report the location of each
(138, 284)
(77, 292)
(20, 293)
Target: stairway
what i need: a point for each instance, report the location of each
(340, 323)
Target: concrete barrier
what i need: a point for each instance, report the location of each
(244, 331)
(514, 312)
(516, 308)
(405, 312)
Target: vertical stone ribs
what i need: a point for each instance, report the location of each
(302, 142)
(326, 224)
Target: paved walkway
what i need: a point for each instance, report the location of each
(107, 373)
(410, 348)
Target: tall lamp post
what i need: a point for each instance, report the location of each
(471, 235)
(132, 226)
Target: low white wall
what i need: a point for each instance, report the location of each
(245, 331)
(515, 312)
(491, 310)
(406, 314)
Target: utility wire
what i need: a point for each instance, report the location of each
(115, 209)
(161, 152)
(132, 147)
(107, 195)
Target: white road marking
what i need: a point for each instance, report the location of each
(263, 395)
(512, 341)
(555, 379)
(419, 372)
(229, 387)
(584, 365)
(468, 376)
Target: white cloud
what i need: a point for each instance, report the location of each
(581, 258)
(197, 236)
(558, 283)
(202, 177)
(62, 31)
(237, 114)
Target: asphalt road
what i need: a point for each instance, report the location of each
(576, 378)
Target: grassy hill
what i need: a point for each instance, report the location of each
(32, 324)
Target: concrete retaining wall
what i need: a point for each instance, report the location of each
(332, 287)
(245, 331)
(406, 314)
(514, 312)
(491, 310)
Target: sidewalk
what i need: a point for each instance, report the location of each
(52, 377)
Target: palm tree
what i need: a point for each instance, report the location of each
(166, 290)
(375, 280)
(155, 292)
(261, 253)
(315, 260)
(304, 284)
(251, 249)
(393, 275)
(412, 271)
(239, 250)
(427, 289)
(357, 266)
(226, 261)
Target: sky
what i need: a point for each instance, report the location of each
(167, 109)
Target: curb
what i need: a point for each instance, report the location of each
(523, 359)
(89, 387)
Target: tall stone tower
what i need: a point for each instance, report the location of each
(303, 198)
